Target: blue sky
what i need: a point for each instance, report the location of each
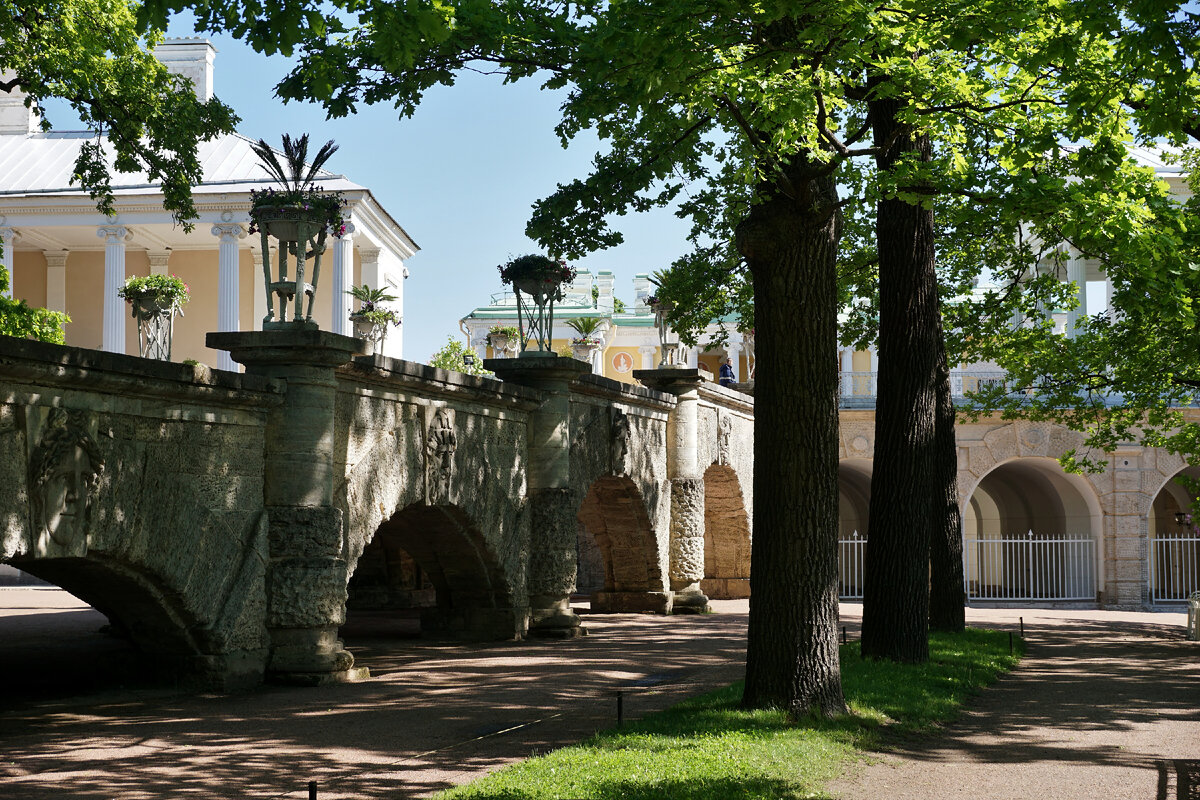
(459, 176)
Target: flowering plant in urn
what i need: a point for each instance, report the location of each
(539, 282)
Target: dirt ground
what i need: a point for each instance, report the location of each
(1105, 706)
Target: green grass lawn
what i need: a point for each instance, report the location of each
(707, 748)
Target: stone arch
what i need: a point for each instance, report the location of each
(726, 536)
(435, 558)
(854, 509)
(1174, 547)
(137, 606)
(615, 536)
(1032, 532)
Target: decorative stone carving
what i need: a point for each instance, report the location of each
(620, 436)
(724, 434)
(64, 468)
(439, 450)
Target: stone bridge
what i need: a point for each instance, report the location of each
(225, 521)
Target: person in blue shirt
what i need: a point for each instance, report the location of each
(726, 378)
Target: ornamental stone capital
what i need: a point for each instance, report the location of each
(114, 234)
(348, 230)
(229, 231)
(9, 235)
(369, 255)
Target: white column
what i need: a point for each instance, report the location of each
(159, 259)
(56, 279)
(227, 284)
(874, 376)
(847, 372)
(647, 353)
(1077, 272)
(734, 349)
(343, 279)
(114, 237)
(8, 237)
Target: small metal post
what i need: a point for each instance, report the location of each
(312, 790)
(1022, 626)
(1010, 643)
(844, 638)
(620, 708)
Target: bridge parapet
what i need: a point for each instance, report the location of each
(138, 486)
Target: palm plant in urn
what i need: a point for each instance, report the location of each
(588, 341)
(300, 216)
(539, 282)
(372, 318)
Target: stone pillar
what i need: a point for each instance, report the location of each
(343, 280)
(647, 352)
(114, 237)
(848, 372)
(8, 238)
(306, 569)
(260, 296)
(687, 485)
(56, 279)
(228, 299)
(1077, 272)
(552, 504)
(159, 259)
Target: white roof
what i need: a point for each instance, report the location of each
(43, 163)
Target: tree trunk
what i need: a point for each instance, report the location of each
(790, 244)
(947, 610)
(902, 515)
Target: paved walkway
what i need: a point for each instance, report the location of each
(1105, 705)
(1103, 700)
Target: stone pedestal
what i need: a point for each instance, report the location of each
(552, 504)
(687, 484)
(306, 572)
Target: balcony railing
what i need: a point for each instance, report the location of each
(859, 389)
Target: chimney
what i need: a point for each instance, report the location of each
(15, 118)
(191, 57)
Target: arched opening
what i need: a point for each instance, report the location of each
(854, 509)
(89, 624)
(431, 563)
(1174, 540)
(726, 536)
(1030, 534)
(618, 553)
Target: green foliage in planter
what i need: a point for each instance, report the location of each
(539, 268)
(511, 331)
(370, 308)
(378, 316)
(165, 290)
(452, 357)
(585, 326)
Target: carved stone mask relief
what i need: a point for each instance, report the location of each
(64, 468)
(440, 449)
(620, 434)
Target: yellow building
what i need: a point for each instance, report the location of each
(63, 255)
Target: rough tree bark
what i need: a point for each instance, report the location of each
(790, 244)
(902, 514)
(947, 606)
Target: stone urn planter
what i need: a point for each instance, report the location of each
(538, 282)
(300, 217)
(584, 349)
(372, 319)
(155, 301)
(503, 340)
